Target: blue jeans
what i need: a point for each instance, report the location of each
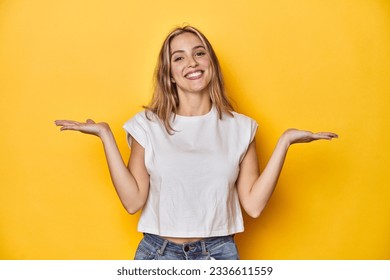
(153, 247)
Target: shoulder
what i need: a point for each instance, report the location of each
(142, 118)
(240, 119)
(242, 116)
(146, 115)
(245, 126)
(140, 126)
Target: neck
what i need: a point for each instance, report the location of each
(194, 104)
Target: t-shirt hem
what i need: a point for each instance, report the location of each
(187, 234)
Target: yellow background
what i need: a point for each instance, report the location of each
(316, 65)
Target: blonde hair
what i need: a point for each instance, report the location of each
(165, 100)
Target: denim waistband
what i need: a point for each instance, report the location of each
(202, 245)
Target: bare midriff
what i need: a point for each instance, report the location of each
(181, 240)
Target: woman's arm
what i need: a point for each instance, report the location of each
(131, 183)
(254, 191)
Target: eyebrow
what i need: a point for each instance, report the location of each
(194, 48)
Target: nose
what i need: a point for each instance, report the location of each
(192, 62)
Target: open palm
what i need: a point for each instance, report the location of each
(302, 136)
(88, 127)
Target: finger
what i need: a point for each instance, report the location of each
(326, 135)
(70, 127)
(329, 134)
(65, 122)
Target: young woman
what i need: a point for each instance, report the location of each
(193, 161)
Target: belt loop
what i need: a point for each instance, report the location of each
(162, 249)
(203, 244)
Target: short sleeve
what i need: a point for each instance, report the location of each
(135, 128)
(247, 128)
(254, 127)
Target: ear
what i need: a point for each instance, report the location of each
(172, 80)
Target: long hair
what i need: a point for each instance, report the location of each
(165, 100)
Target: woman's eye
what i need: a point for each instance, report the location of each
(200, 53)
(178, 58)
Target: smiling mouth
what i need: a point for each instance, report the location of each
(194, 75)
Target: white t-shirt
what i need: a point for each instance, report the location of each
(192, 173)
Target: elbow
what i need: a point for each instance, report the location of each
(133, 204)
(254, 212)
(132, 209)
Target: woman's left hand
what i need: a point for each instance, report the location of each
(293, 136)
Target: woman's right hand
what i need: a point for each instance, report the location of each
(89, 127)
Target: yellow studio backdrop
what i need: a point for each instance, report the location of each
(310, 64)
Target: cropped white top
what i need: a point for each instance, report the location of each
(192, 172)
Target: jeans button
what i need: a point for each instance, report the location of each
(186, 248)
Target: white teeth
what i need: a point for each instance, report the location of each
(194, 74)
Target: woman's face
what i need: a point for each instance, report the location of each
(190, 64)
